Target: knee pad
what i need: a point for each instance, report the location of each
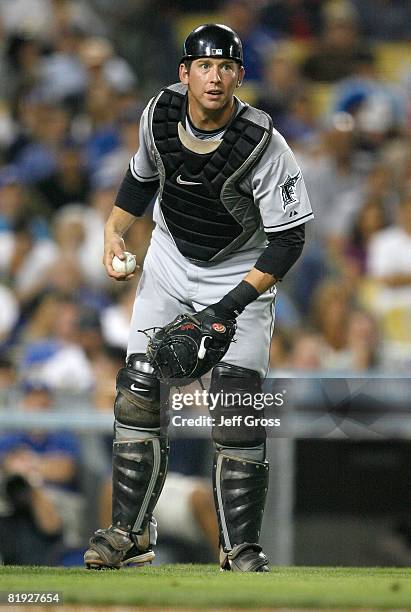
(137, 403)
(234, 414)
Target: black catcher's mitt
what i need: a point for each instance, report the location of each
(190, 346)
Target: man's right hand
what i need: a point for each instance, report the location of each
(114, 245)
(116, 226)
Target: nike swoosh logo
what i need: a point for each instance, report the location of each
(134, 388)
(181, 181)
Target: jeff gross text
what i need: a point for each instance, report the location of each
(235, 421)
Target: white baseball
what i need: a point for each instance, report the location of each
(126, 265)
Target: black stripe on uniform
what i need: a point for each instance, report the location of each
(288, 222)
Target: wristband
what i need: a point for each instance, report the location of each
(233, 304)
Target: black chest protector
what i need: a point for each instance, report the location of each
(205, 210)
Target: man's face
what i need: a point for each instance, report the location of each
(211, 82)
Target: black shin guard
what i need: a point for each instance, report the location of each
(140, 453)
(139, 471)
(240, 488)
(240, 476)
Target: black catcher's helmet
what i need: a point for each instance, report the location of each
(213, 40)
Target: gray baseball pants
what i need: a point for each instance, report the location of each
(171, 285)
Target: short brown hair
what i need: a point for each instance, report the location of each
(187, 63)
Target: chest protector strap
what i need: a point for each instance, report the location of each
(205, 210)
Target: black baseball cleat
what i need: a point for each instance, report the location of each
(244, 558)
(114, 548)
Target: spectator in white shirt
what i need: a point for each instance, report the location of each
(389, 254)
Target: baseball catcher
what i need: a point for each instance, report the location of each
(230, 211)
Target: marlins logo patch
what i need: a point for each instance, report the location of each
(288, 194)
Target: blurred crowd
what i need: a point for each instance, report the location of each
(335, 75)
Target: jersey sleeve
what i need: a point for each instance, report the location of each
(142, 164)
(280, 192)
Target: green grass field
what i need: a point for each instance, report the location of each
(199, 586)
